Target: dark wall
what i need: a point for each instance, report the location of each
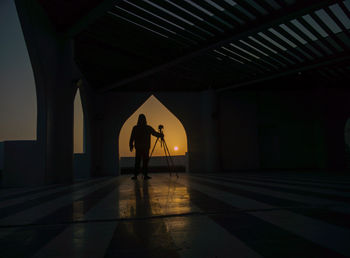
(283, 129)
(337, 112)
(291, 129)
(238, 130)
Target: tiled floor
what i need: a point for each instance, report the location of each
(212, 215)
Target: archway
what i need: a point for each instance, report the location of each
(175, 137)
(18, 101)
(78, 124)
(81, 157)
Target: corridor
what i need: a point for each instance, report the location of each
(207, 215)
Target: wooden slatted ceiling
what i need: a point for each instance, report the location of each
(326, 34)
(149, 33)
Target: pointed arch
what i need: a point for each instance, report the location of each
(175, 134)
(79, 131)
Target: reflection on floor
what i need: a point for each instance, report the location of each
(212, 215)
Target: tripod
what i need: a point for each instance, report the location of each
(168, 157)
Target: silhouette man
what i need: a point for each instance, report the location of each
(141, 139)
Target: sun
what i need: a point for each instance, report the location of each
(176, 148)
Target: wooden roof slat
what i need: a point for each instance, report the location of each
(337, 21)
(249, 16)
(122, 34)
(169, 33)
(312, 43)
(260, 24)
(225, 63)
(328, 31)
(85, 20)
(343, 7)
(271, 56)
(233, 11)
(163, 19)
(247, 6)
(264, 4)
(214, 23)
(292, 52)
(318, 35)
(263, 60)
(201, 25)
(340, 57)
(246, 65)
(259, 62)
(214, 65)
(232, 55)
(201, 28)
(284, 54)
(296, 42)
(219, 15)
(282, 3)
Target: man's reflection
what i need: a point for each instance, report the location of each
(142, 199)
(142, 235)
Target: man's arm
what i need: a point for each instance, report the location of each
(156, 134)
(132, 139)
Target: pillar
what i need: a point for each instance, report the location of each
(55, 76)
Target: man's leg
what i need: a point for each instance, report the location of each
(137, 164)
(145, 158)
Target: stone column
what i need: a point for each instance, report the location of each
(59, 123)
(55, 73)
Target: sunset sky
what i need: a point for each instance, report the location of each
(17, 87)
(18, 111)
(78, 124)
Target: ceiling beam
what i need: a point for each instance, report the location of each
(90, 17)
(343, 57)
(300, 8)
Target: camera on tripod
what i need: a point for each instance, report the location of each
(163, 145)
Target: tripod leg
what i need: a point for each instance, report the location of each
(172, 161)
(166, 149)
(154, 146)
(166, 156)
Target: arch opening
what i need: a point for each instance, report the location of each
(79, 131)
(81, 156)
(18, 100)
(174, 134)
